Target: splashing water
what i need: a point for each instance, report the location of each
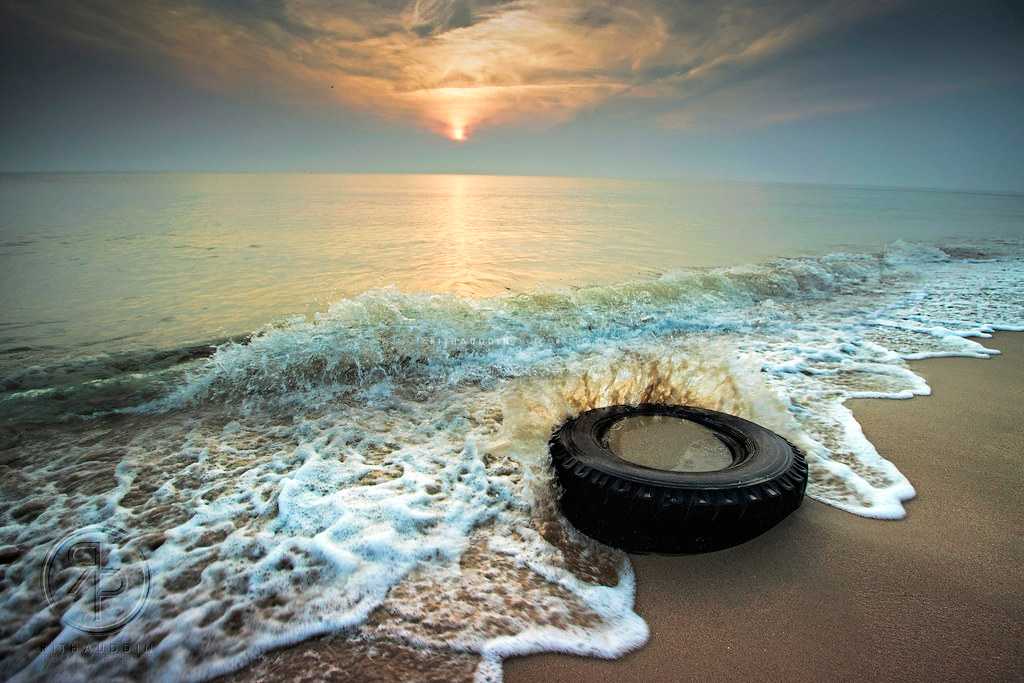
(381, 470)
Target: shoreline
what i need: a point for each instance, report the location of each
(827, 593)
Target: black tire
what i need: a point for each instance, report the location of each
(641, 509)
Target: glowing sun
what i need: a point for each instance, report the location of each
(458, 133)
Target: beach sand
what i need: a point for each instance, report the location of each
(937, 595)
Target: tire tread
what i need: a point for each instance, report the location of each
(650, 518)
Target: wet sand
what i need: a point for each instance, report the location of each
(827, 595)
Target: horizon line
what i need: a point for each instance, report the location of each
(497, 174)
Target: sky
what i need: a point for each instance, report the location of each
(881, 93)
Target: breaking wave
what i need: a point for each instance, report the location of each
(380, 471)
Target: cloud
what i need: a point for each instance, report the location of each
(431, 17)
(465, 64)
(827, 64)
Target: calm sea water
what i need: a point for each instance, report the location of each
(369, 457)
(97, 263)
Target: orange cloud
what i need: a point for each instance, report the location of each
(453, 66)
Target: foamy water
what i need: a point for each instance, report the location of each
(375, 466)
(381, 470)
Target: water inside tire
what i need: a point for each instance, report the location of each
(667, 443)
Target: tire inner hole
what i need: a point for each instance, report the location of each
(667, 443)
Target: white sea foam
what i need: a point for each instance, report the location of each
(381, 470)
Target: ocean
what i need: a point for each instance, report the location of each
(319, 404)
